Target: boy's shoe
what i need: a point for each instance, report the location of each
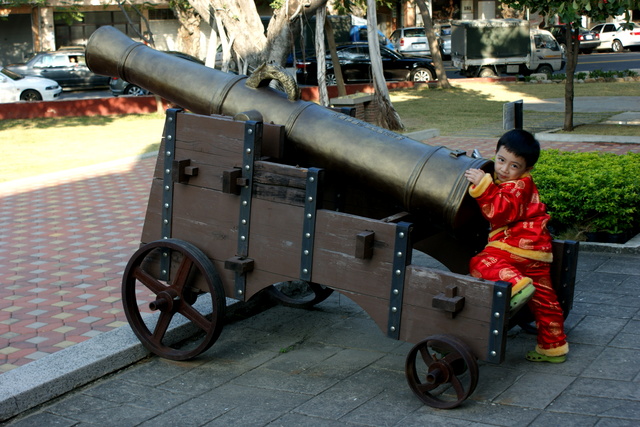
(521, 293)
(534, 356)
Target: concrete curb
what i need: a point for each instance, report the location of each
(563, 137)
(421, 135)
(632, 247)
(44, 379)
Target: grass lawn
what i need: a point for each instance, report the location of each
(37, 146)
(471, 105)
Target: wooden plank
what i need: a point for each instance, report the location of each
(151, 229)
(222, 131)
(279, 183)
(420, 319)
(334, 260)
(275, 239)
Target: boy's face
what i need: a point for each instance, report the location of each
(508, 166)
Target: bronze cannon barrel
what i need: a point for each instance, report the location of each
(426, 179)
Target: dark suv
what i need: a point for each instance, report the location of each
(65, 66)
(589, 40)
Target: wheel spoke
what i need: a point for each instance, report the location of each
(161, 327)
(427, 357)
(182, 274)
(195, 316)
(461, 393)
(150, 282)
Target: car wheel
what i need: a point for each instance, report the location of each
(331, 79)
(616, 46)
(545, 69)
(30, 95)
(135, 91)
(422, 75)
(487, 72)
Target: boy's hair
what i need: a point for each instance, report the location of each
(522, 144)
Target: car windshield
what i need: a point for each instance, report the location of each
(414, 32)
(11, 74)
(628, 26)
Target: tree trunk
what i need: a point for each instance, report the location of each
(389, 117)
(436, 55)
(189, 30)
(337, 69)
(226, 43)
(572, 61)
(321, 15)
(145, 36)
(251, 46)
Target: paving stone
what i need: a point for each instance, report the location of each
(597, 330)
(535, 390)
(615, 363)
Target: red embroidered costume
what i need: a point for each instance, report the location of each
(519, 252)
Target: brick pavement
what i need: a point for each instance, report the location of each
(65, 239)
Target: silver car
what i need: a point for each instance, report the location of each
(412, 41)
(444, 39)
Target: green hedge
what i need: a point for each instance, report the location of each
(590, 192)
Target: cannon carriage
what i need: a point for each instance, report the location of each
(254, 192)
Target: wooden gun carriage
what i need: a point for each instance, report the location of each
(242, 205)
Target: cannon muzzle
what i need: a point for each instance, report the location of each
(426, 180)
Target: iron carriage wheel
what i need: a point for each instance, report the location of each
(437, 364)
(174, 299)
(299, 294)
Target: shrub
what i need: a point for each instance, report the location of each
(590, 192)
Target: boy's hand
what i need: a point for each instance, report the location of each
(474, 176)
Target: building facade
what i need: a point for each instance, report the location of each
(25, 30)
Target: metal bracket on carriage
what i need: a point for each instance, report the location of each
(395, 218)
(449, 301)
(182, 171)
(239, 265)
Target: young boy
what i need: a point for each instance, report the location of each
(519, 247)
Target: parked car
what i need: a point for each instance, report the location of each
(356, 66)
(413, 40)
(588, 39)
(617, 37)
(444, 37)
(16, 87)
(65, 66)
(358, 33)
(120, 86)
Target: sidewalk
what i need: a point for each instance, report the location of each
(332, 366)
(65, 241)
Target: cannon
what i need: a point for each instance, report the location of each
(258, 192)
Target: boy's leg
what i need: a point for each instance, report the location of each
(495, 264)
(552, 341)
